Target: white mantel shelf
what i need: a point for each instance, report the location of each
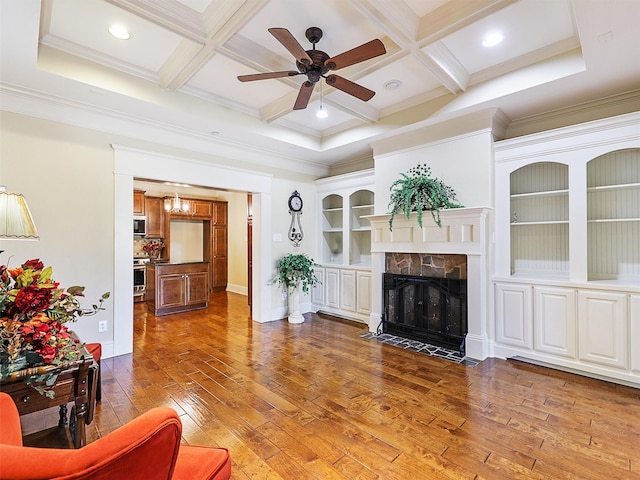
(463, 231)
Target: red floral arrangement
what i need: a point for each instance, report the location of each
(33, 311)
(153, 247)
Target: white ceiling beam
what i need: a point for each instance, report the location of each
(209, 30)
(448, 62)
(412, 33)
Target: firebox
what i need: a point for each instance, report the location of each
(431, 310)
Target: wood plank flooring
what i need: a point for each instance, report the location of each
(317, 401)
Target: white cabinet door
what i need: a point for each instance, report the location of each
(555, 327)
(332, 287)
(634, 319)
(514, 315)
(348, 290)
(317, 294)
(603, 328)
(363, 294)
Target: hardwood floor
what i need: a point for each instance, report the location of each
(317, 401)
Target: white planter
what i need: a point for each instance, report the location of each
(294, 306)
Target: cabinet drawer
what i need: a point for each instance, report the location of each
(29, 400)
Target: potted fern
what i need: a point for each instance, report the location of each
(417, 191)
(296, 273)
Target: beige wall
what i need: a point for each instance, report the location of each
(67, 175)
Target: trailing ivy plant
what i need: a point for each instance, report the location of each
(295, 269)
(416, 191)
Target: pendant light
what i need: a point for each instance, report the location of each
(177, 205)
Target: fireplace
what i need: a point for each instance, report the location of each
(438, 251)
(425, 298)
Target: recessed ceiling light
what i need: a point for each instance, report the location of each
(119, 31)
(492, 38)
(393, 84)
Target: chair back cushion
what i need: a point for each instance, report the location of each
(10, 430)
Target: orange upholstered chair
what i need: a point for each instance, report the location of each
(147, 448)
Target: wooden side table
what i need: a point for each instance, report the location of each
(75, 383)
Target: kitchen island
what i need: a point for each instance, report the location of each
(176, 287)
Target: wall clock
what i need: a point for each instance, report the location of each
(295, 210)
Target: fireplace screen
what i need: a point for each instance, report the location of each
(431, 310)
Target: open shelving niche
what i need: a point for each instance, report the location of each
(613, 217)
(539, 220)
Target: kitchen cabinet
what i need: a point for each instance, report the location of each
(219, 246)
(138, 203)
(173, 288)
(154, 208)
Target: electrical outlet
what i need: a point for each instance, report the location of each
(102, 326)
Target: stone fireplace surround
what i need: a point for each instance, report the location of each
(465, 232)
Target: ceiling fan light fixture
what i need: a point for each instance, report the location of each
(322, 113)
(119, 31)
(492, 38)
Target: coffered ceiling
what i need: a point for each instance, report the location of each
(180, 66)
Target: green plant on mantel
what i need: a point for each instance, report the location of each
(296, 269)
(416, 191)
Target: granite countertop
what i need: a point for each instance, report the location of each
(167, 262)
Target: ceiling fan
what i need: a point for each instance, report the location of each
(315, 64)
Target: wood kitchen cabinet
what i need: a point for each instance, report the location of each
(154, 208)
(219, 247)
(138, 202)
(199, 209)
(173, 288)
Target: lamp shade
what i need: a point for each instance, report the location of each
(15, 218)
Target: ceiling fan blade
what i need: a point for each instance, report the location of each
(304, 95)
(263, 76)
(290, 43)
(368, 50)
(347, 86)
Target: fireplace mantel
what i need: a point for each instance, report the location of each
(464, 231)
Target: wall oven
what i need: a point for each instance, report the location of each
(139, 277)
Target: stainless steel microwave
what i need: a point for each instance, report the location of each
(139, 226)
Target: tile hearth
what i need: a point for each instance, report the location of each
(420, 347)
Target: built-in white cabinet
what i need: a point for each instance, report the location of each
(567, 235)
(555, 327)
(603, 327)
(331, 288)
(363, 293)
(634, 332)
(346, 202)
(514, 315)
(317, 294)
(344, 292)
